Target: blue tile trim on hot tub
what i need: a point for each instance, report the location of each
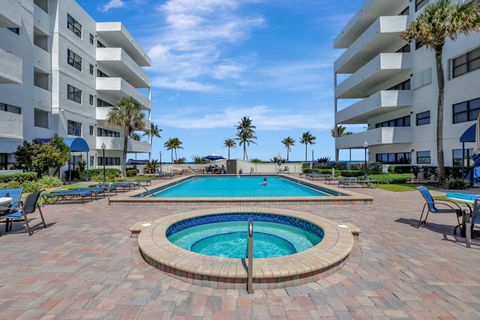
(226, 217)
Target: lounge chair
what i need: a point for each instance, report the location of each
(320, 176)
(354, 182)
(431, 206)
(15, 194)
(30, 206)
(95, 191)
(55, 196)
(126, 185)
(106, 187)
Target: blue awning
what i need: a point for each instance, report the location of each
(469, 135)
(74, 144)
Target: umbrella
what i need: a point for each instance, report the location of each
(214, 157)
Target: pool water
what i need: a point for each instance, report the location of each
(232, 186)
(229, 239)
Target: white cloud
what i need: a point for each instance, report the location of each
(112, 4)
(190, 40)
(183, 85)
(264, 117)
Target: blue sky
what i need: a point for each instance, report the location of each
(214, 61)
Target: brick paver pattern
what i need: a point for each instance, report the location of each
(86, 265)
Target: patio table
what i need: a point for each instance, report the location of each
(467, 222)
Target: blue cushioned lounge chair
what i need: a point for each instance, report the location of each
(431, 206)
(30, 206)
(54, 196)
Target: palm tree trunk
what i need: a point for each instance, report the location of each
(176, 157)
(244, 151)
(288, 154)
(306, 152)
(440, 111)
(125, 150)
(171, 155)
(228, 153)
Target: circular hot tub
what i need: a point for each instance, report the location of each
(225, 235)
(208, 247)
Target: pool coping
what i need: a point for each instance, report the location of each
(347, 197)
(327, 256)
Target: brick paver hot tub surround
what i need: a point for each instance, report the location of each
(218, 272)
(85, 265)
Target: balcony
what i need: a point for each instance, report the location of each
(369, 78)
(375, 137)
(117, 63)
(116, 88)
(380, 36)
(42, 99)
(116, 35)
(117, 144)
(102, 113)
(11, 125)
(375, 105)
(369, 12)
(10, 68)
(41, 20)
(42, 59)
(10, 14)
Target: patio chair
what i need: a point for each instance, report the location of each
(55, 196)
(431, 206)
(30, 206)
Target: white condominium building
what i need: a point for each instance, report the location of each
(390, 87)
(61, 72)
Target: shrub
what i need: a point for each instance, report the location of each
(321, 171)
(132, 172)
(392, 178)
(373, 167)
(19, 177)
(456, 184)
(402, 169)
(46, 182)
(351, 173)
(111, 173)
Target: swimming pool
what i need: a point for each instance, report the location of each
(226, 235)
(239, 187)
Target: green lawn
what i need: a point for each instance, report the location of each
(396, 187)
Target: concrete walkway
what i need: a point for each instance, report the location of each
(85, 265)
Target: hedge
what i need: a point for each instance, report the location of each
(391, 178)
(110, 173)
(351, 173)
(46, 182)
(321, 171)
(19, 177)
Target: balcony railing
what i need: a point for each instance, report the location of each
(10, 14)
(117, 144)
(375, 137)
(10, 68)
(11, 125)
(116, 88)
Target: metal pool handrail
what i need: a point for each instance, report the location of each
(250, 257)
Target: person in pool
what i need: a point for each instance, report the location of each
(265, 182)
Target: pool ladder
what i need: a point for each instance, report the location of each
(250, 257)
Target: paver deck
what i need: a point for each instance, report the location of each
(85, 265)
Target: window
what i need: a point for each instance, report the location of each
(41, 119)
(419, 4)
(418, 45)
(4, 165)
(101, 74)
(423, 157)
(457, 157)
(466, 63)
(92, 161)
(74, 26)
(74, 128)
(394, 158)
(92, 39)
(423, 118)
(90, 99)
(92, 130)
(405, 85)
(91, 69)
(405, 49)
(399, 122)
(466, 111)
(109, 161)
(107, 133)
(9, 108)
(14, 30)
(74, 60)
(405, 12)
(74, 94)
(103, 103)
(100, 45)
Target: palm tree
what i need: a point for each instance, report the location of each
(341, 132)
(153, 132)
(230, 144)
(127, 114)
(172, 145)
(246, 134)
(288, 142)
(135, 136)
(440, 21)
(306, 139)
